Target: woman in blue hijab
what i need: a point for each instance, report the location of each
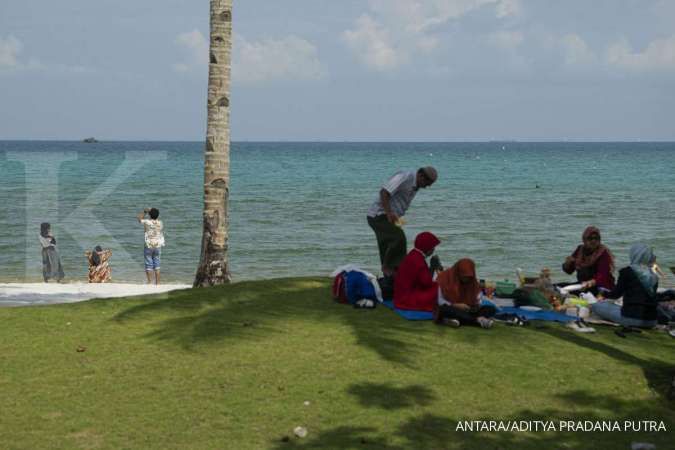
(637, 285)
(642, 262)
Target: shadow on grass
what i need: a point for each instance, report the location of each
(432, 431)
(657, 373)
(386, 396)
(257, 310)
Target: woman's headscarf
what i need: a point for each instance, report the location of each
(44, 229)
(641, 261)
(46, 240)
(426, 242)
(95, 257)
(453, 289)
(584, 259)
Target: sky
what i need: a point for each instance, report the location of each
(347, 70)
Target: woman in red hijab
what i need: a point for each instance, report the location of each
(592, 261)
(414, 287)
(459, 302)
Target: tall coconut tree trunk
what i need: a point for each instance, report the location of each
(213, 267)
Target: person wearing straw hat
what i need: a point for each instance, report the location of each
(386, 212)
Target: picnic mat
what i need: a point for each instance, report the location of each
(408, 314)
(550, 316)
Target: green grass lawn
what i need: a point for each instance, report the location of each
(232, 368)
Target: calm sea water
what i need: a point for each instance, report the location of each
(299, 208)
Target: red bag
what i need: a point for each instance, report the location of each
(339, 288)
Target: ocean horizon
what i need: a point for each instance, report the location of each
(298, 208)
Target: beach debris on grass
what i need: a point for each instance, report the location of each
(642, 446)
(306, 403)
(81, 349)
(580, 327)
(300, 432)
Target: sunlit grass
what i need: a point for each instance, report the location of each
(232, 367)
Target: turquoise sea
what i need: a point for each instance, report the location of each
(300, 208)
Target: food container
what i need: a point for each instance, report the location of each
(504, 288)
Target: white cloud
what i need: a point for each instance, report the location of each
(424, 15)
(508, 8)
(9, 50)
(288, 58)
(197, 51)
(11, 61)
(373, 44)
(506, 39)
(396, 30)
(659, 55)
(576, 50)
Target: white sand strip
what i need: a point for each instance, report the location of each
(26, 294)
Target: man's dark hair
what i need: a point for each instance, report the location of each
(154, 213)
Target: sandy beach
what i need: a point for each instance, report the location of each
(27, 294)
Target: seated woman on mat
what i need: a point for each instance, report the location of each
(414, 287)
(458, 299)
(637, 284)
(99, 270)
(592, 261)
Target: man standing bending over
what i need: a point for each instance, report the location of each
(390, 205)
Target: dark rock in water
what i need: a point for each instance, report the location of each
(90, 140)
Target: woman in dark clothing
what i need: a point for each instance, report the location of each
(592, 261)
(637, 284)
(51, 262)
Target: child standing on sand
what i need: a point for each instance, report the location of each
(154, 241)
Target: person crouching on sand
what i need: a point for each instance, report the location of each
(99, 269)
(51, 261)
(154, 241)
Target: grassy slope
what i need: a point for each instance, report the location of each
(231, 368)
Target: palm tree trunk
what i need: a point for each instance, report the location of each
(213, 267)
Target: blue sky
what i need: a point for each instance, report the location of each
(342, 70)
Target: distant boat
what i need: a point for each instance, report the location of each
(90, 140)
